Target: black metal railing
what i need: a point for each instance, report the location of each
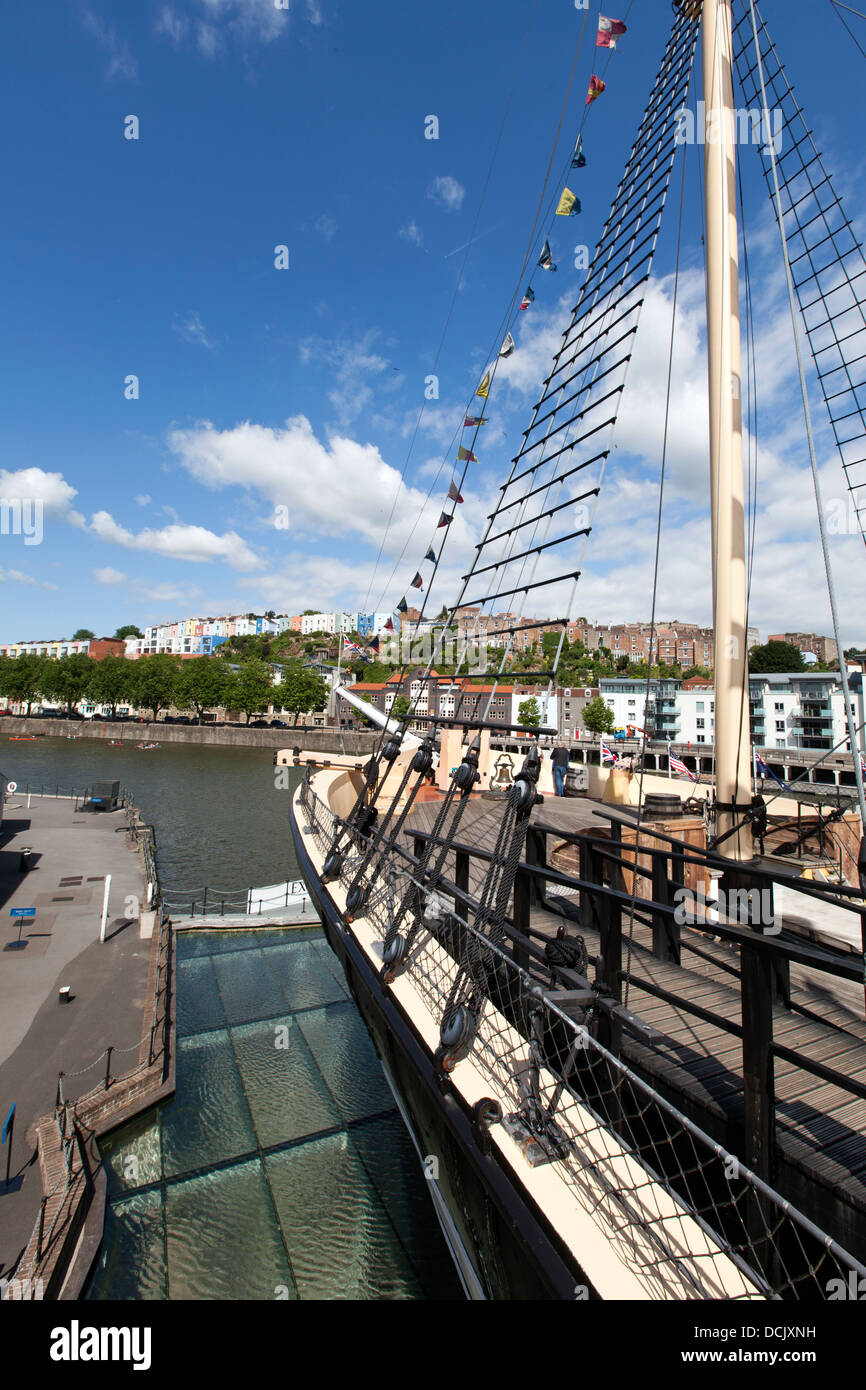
(575, 1028)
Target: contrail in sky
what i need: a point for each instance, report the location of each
(467, 244)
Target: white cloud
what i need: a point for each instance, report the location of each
(212, 24)
(411, 232)
(208, 40)
(334, 488)
(51, 489)
(121, 63)
(447, 192)
(143, 499)
(18, 577)
(192, 330)
(177, 542)
(186, 595)
(326, 226)
(109, 576)
(353, 361)
(172, 24)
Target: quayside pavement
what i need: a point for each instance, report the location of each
(72, 853)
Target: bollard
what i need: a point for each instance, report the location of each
(108, 1068)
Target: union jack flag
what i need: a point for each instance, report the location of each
(608, 755)
(351, 648)
(678, 766)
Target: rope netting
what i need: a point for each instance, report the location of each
(687, 1219)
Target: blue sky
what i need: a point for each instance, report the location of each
(262, 388)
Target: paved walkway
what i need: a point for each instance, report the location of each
(73, 851)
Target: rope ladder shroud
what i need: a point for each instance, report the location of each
(574, 418)
(828, 267)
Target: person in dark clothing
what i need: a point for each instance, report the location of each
(559, 758)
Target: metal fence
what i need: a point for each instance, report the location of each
(235, 902)
(689, 1218)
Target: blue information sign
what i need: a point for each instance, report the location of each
(22, 912)
(7, 1124)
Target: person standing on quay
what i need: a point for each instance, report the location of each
(559, 759)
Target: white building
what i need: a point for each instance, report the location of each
(548, 705)
(793, 710)
(799, 710)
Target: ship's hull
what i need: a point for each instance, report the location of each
(501, 1244)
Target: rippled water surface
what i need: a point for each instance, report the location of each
(281, 1168)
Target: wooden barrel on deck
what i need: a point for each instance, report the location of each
(661, 806)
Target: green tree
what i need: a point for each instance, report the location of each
(21, 678)
(154, 681)
(201, 684)
(83, 635)
(302, 690)
(250, 688)
(67, 679)
(776, 656)
(112, 682)
(598, 717)
(130, 630)
(528, 713)
(401, 706)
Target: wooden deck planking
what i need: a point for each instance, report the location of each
(821, 1127)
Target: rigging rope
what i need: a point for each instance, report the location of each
(813, 462)
(837, 6)
(640, 800)
(492, 371)
(448, 317)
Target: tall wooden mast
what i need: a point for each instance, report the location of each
(732, 737)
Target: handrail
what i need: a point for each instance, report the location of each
(843, 964)
(729, 1214)
(708, 858)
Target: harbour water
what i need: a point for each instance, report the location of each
(220, 821)
(281, 1168)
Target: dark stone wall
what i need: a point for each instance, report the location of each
(214, 735)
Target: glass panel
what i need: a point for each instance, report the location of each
(247, 987)
(132, 1259)
(305, 980)
(284, 1088)
(222, 1237)
(350, 1207)
(347, 1059)
(394, 1168)
(209, 1119)
(133, 1155)
(198, 1002)
(341, 1242)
